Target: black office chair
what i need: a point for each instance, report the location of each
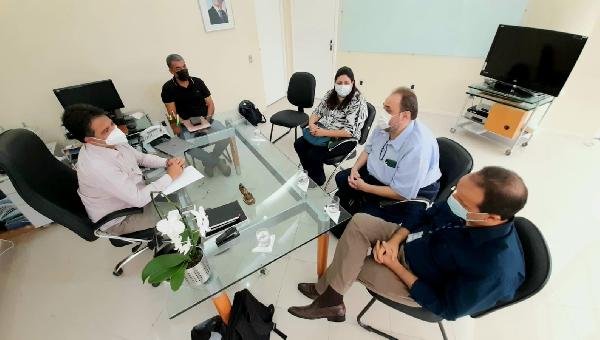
(455, 162)
(50, 187)
(538, 266)
(301, 92)
(346, 148)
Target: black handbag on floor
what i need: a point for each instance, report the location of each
(249, 320)
(249, 111)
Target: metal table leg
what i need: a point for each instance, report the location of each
(223, 306)
(235, 155)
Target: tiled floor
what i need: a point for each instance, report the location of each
(53, 285)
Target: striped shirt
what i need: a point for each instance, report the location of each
(351, 118)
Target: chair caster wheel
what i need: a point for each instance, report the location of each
(507, 152)
(525, 144)
(452, 130)
(118, 272)
(155, 285)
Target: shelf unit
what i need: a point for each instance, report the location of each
(482, 94)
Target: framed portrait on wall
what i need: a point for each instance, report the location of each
(216, 14)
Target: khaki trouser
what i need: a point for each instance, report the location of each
(351, 263)
(136, 222)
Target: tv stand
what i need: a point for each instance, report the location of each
(502, 116)
(512, 90)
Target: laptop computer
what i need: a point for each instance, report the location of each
(173, 146)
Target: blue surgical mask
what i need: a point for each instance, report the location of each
(458, 210)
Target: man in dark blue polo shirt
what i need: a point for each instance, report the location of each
(463, 258)
(186, 97)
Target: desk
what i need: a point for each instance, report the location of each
(295, 217)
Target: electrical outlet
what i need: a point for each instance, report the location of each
(250, 60)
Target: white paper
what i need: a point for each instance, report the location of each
(303, 186)
(302, 181)
(189, 176)
(268, 249)
(335, 216)
(137, 115)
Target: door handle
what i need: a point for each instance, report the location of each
(331, 45)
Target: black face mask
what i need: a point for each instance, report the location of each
(183, 75)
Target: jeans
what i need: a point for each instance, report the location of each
(10, 216)
(312, 158)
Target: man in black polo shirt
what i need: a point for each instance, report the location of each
(187, 97)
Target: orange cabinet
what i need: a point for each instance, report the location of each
(506, 121)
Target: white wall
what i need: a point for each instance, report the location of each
(441, 81)
(576, 16)
(575, 111)
(51, 44)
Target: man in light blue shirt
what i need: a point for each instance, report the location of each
(402, 163)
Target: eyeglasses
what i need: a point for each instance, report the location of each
(383, 150)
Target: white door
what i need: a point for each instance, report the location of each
(314, 40)
(269, 25)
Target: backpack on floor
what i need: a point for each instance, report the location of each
(250, 319)
(249, 111)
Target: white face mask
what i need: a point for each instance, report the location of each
(116, 137)
(383, 123)
(343, 90)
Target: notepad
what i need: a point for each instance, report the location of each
(334, 215)
(224, 216)
(193, 128)
(189, 176)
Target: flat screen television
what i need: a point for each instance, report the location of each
(531, 58)
(102, 94)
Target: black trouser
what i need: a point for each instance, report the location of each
(312, 158)
(355, 201)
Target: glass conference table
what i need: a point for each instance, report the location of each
(293, 215)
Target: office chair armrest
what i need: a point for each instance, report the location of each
(103, 234)
(389, 203)
(349, 143)
(117, 214)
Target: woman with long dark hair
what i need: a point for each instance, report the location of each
(341, 114)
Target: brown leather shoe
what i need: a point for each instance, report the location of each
(309, 290)
(335, 313)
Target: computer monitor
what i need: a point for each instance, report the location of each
(535, 59)
(102, 94)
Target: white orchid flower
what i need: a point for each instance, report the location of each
(169, 227)
(202, 222)
(173, 215)
(173, 227)
(184, 248)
